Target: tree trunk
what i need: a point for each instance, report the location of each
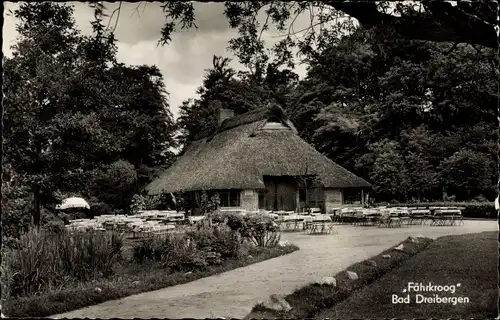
(36, 188)
(36, 207)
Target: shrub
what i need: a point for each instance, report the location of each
(54, 226)
(200, 260)
(144, 251)
(220, 239)
(255, 229)
(227, 242)
(16, 217)
(203, 237)
(43, 260)
(480, 210)
(261, 231)
(144, 202)
(100, 208)
(175, 253)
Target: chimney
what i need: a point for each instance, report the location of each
(225, 114)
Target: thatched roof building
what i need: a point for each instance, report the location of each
(243, 150)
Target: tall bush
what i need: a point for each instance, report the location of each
(175, 253)
(219, 238)
(254, 229)
(44, 260)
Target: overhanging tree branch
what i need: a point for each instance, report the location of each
(465, 22)
(441, 22)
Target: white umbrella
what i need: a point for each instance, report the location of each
(73, 203)
(497, 206)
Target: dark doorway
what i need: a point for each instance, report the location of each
(280, 193)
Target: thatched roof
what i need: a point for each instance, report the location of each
(263, 113)
(238, 154)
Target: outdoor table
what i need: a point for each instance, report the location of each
(444, 217)
(320, 224)
(359, 219)
(348, 217)
(372, 218)
(290, 222)
(391, 220)
(273, 216)
(335, 211)
(419, 216)
(194, 219)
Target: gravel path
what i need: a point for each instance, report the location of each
(234, 293)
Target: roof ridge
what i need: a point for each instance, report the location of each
(253, 115)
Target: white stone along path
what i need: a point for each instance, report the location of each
(234, 293)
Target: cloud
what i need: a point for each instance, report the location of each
(183, 61)
(168, 61)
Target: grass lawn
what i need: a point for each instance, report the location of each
(129, 279)
(470, 260)
(309, 301)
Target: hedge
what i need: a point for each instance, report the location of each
(472, 209)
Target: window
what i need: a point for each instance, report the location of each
(229, 198)
(352, 196)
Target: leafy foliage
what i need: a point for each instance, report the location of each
(46, 260)
(224, 88)
(209, 205)
(395, 112)
(141, 202)
(257, 230)
(391, 110)
(218, 239)
(176, 253)
(76, 120)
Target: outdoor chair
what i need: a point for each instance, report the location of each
(360, 219)
(289, 223)
(447, 217)
(391, 220)
(314, 211)
(419, 216)
(320, 228)
(404, 218)
(370, 217)
(321, 224)
(394, 217)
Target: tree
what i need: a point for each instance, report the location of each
(223, 87)
(71, 110)
(201, 115)
(366, 89)
(440, 21)
(31, 97)
(424, 178)
(389, 171)
(474, 23)
(467, 174)
(119, 179)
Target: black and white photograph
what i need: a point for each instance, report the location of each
(250, 159)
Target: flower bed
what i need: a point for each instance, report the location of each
(49, 273)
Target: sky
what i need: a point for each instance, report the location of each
(183, 61)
